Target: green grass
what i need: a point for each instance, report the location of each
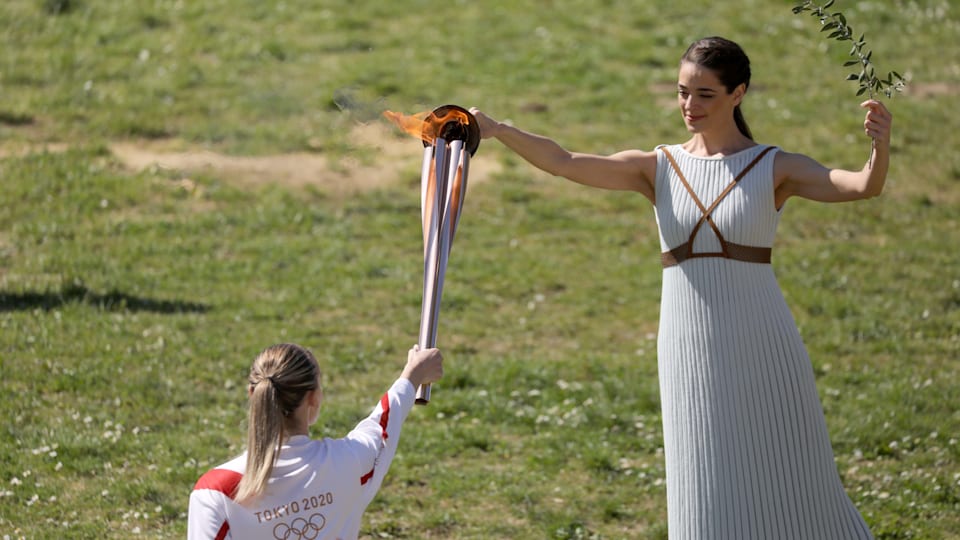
(131, 305)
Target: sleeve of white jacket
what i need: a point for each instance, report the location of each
(379, 434)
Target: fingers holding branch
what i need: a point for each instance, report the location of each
(878, 121)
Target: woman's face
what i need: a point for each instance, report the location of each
(703, 99)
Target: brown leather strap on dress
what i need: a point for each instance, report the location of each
(729, 250)
(734, 251)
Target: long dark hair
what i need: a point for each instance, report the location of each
(731, 65)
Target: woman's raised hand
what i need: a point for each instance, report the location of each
(878, 121)
(424, 366)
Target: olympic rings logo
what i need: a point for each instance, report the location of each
(300, 529)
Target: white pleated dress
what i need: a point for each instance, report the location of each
(747, 450)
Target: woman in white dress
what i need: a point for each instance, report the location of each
(747, 450)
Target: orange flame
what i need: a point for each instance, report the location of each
(425, 125)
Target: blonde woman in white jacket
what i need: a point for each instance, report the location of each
(287, 485)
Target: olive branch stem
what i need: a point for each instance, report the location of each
(869, 83)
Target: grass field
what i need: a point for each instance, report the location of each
(134, 296)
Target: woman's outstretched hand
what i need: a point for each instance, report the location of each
(488, 126)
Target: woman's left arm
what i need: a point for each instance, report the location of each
(802, 176)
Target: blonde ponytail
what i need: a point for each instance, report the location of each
(280, 377)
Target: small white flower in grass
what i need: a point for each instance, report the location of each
(53, 498)
(144, 55)
(15, 481)
(33, 499)
(58, 466)
(104, 493)
(135, 530)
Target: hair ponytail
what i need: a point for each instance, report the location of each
(280, 378)
(741, 123)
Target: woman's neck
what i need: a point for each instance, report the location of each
(705, 145)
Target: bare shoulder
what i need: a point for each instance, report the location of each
(790, 165)
(643, 160)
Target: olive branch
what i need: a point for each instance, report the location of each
(836, 24)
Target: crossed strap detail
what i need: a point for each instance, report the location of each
(728, 250)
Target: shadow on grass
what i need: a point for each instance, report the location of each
(111, 301)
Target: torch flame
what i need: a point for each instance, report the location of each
(426, 125)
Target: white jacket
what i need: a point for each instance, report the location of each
(318, 489)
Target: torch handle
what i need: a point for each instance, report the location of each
(434, 186)
(443, 190)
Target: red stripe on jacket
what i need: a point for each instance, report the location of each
(384, 421)
(224, 481)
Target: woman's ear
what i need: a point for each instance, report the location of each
(739, 92)
(315, 397)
